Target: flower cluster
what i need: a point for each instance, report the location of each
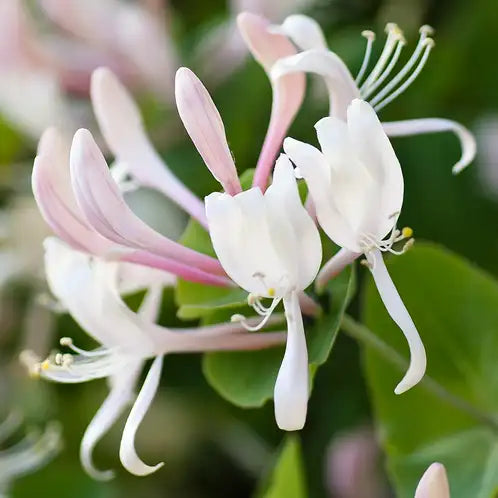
(267, 242)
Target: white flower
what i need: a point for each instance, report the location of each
(356, 185)
(269, 246)
(379, 87)
(434, 483)
(88, 288)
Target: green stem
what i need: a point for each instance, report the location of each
(366, 337)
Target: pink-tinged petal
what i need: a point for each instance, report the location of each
(288, 91)
(434, 483)
(205, 127)
(51, 183)
(106, 211)
(437, 125)
(308, 305)
(334, 266)
(121, 124)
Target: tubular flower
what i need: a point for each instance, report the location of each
(89, 289)
(356, 185)
(267, 244)
(434, 483)
(84, 206)
(379, 85)
(28, 455)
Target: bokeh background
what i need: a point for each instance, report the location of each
(211, 448)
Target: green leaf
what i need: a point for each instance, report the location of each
(455, 308)
(287, 479)
(246, 378)
(196, 300)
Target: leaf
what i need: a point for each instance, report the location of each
(287, 479)
(455, 308)
(195, 300)
(246, 378)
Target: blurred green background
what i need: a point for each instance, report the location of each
(211, 448)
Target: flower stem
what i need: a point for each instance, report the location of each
(367, 338)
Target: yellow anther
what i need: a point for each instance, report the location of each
(271, 292)
(407, 232)
(45, 365)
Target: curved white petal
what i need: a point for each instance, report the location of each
(127, 453)
(242, 241)
(120, 396)
(121, 125)
(304, 32)
(434, 483)
(291, 387)
(436, 125)
(340, 84)
(106, 211)
(205, 127)
(373, 149)
(316, 171)
(294, 234)
(268, 47)
(398, 312)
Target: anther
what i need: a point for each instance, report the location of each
(369, 35)
(251, 299)
(45, 365)
(237, 318)
(66, 341)
(409, 244)
(271, 292)
(426, 30)
(407, 232)
(428, 42)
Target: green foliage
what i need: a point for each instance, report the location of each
(450, 417)
(247, 378)
(287, 479)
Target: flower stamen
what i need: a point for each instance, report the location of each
(261, 310)
(370, 36)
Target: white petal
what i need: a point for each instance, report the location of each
(340, 84)
(304, 32)
(291, 387)
(437, 125)
(294, 234)
(127, 453)
(316, 171)
(119, 398)
(374, 150)
(434, 483)
(121, 124)
(242, 241)
(398, 312)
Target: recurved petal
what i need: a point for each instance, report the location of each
(304, 31)
(398, 312)
(316, 171)
(340, 84)
(121, 124)
(291, 387)
(51, 184)
(106, 211)
(288, 91)
(434, 483)
(437, 125)
(119, 398)
(205, 127)
(127, 453)
(295, 235)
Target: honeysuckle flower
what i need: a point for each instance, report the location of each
(434, 483)
(85, 208)
(379, 86)
(28, 455)
(356, 185)
(89, 289)
(288, 91)
(271, 248)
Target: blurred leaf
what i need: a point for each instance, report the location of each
(455, 307)
(246, 378)
(287, 479)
